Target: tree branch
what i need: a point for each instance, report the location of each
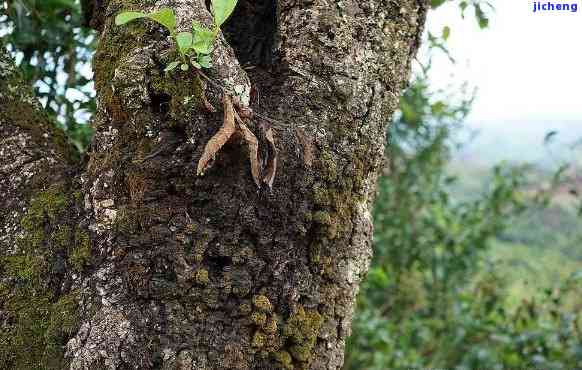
(33, 153)
(42, 243)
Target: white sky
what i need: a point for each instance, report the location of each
(527, 66)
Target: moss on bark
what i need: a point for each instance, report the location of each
(41, 307)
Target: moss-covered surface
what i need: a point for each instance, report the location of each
(337, 194)
(35, 293)
(300, 331)
(262, 303)
(289, 342)
(202, 276)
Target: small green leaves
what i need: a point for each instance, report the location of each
(202, 61)
(203, 40)
(164, 16)
(183, 66)
(125, 17)
(205, 61)
(172, 66)
(184, 41)
(222, 9)
(481, 17)
(194, 47)
(198, 27)
(446, 32)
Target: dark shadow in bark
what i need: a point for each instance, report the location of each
(252, 31)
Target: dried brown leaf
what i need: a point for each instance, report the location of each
(220, 138)
(253, 144)
(307, 145)
(271, 168)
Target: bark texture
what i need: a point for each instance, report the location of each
(161, 269)
(42, 244)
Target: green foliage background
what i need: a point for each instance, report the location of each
(54, 52)
(444, 287)
(441, 289)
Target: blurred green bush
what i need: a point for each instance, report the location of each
(432, 299)
(54, 52)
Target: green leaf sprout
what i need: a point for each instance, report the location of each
(222, 9)
(194, 47)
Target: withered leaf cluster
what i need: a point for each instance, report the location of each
(234, 125)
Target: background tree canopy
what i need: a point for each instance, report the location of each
(433, 297)
(441, 291)
(54, 52)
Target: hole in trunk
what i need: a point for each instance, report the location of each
(160, 103)
(252, 31)
(217, 263)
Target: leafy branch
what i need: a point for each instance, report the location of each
(194, 47)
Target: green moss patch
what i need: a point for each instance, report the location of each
(41, 315)
(300, 331)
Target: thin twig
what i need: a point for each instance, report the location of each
(214, 83)
(224, 89)
(271, 120)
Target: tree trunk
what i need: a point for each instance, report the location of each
(135, 262)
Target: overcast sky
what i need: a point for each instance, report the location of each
(526, 66)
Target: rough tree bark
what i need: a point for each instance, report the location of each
(131, 261)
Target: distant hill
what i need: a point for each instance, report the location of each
(543, 245)
(483, 145)
(488, 143)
